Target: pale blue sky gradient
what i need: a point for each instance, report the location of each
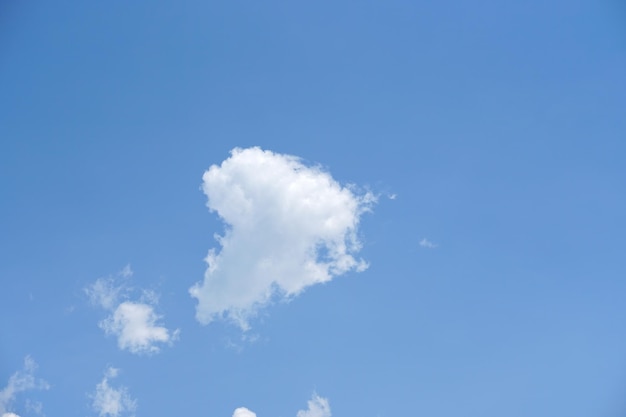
(500, 126)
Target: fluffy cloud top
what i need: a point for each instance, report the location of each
(20, 381)
(243, 412)
(134, 323)
(289, 226)
(318, 407)
(112, 402)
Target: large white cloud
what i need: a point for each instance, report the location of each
(134, 323)
(23, 380)
(288, 226)
(110, 401)
(317, 407)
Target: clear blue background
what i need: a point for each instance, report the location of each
(500, 125)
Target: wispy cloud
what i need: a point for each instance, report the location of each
(425, 243)
(110, 401)
(35, 407)
(134, 323)
(317, 407)
(23, 380)
(107, 292)
(289, 226)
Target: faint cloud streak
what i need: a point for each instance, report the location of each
(425, 243)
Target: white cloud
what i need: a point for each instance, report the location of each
(10, 415)
(135, 328)
(243, 412)
(112, 402)
(20, 381)
(288, 226)
(318, 407)
(134, 323)
(425, 243)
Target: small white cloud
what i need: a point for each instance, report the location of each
(392, 196)
(20, 381)
(110, 401)
(425, 243)
(243, 412)
(10, 415)
(288, 226)
(134, 323)
(318, 407)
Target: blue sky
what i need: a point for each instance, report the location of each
(423, 213)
